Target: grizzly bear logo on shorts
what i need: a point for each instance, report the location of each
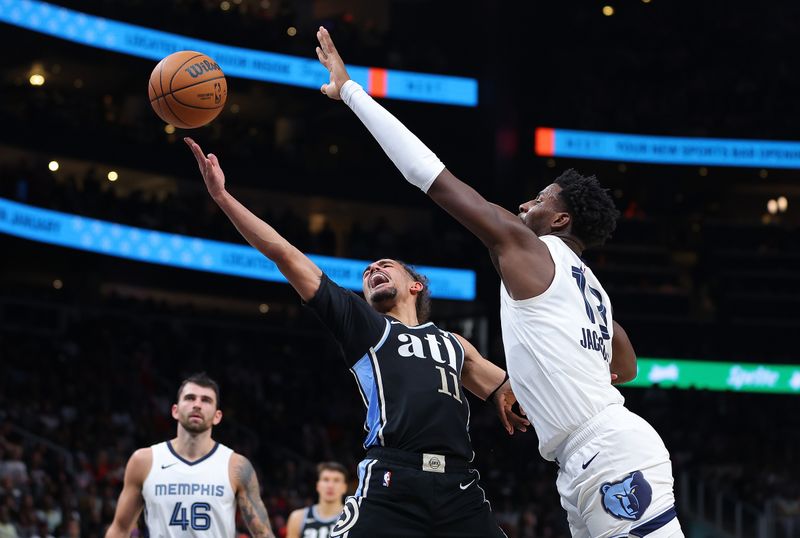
(628, 498)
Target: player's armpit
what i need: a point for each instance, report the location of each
(248, 498)
(130, 502)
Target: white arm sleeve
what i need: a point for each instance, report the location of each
(418, 164)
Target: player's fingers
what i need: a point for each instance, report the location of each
(324, 89)
(323, 58)
(198, 154)
(214, 160)
(504, 419)
(326, 41)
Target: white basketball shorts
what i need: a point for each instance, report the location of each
(615, 479)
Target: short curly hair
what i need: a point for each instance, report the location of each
(594, 215)
(423, 297)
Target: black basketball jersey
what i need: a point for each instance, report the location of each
(314, 526)
(409, 377)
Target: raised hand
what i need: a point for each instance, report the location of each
(329, 57)
(209, 168)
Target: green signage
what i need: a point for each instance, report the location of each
(709, 375)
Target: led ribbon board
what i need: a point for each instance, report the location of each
(143, 42)
(667, 149)
(709, 375)
(150, 246)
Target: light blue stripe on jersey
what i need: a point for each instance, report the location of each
(362, 468)
(366, 381)
(369, 392)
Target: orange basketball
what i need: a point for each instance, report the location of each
(187, 89)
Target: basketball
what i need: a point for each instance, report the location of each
(187, 89)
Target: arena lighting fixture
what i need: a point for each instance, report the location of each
(36, 79)
(53, 166)
(302, 71)
(291, 31)
(263, 308)
(57, 284)
(224, 5)
(608, 11)
(169, 128)
(113, 176)
(772, 207)
(185, 252)
(783, 204)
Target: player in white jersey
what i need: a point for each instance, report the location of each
(615, 475)
(191, 485)
(318, 520)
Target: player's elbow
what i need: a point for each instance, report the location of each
(626, 371)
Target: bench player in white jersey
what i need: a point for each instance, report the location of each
(318, 520)
(190, 486)
(615, 476)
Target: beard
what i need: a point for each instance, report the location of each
(383, 300)
(195, 427)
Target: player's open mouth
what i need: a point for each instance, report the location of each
(377, 279)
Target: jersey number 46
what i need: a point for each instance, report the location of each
(198, 519)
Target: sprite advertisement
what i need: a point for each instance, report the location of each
(712, 375)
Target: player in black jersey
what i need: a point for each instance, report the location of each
(318, 520)
(417, 480)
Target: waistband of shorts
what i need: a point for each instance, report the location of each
(587, 431)
(434, 463)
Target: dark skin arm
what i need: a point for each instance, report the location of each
(623, 362)
(248, 497)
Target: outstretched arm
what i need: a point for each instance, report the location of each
(522, 259)
(488, 381)
(130, 502)
(248, 497)
(299, 270)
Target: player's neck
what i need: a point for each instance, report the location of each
(191, 446)
(573, 243)
(328, 509)
(406, 314)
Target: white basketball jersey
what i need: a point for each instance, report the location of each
(183, 499)
(558, 349)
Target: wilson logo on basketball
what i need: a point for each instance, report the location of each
(195, 70)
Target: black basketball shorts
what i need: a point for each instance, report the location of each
(407, 495)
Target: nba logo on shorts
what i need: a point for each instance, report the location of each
(387, 479)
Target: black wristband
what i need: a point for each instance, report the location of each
(498, 387)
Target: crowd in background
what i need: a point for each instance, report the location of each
(82, 389)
